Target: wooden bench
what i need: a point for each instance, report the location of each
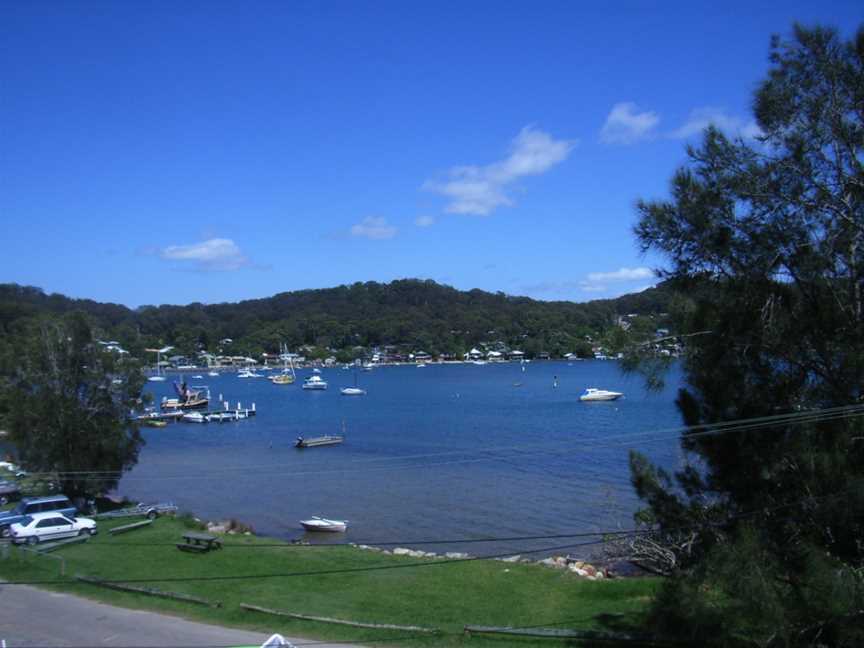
(130, 527)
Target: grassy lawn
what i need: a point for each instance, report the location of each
(445, 596)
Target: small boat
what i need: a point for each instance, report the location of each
(246, 373)
(327, 439)
(323, 524)
(213, 373)
(282, 379)
(593, 394)
(314, 382)
(194, 417)
(198, 377)
(353, 391)
(154, 422)
(221, 417)
(156, 379)
(316, 370)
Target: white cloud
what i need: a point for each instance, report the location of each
(626, 125)
(479, 190)
(622, 274)
(424, 221)
(373, 227)
(701, 118)
(598, 282)
(212, 254)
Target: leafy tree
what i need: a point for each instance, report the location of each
(765, 243)
(68, 407)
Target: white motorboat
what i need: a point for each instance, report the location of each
(246, 373)
(594, 394)
(352, 391)
(314, 382)
(323, 524)
(213, 373)
(194, 417)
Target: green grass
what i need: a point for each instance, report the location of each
(446, 596)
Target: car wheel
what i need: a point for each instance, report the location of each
(32, 540)
(4, 532)
(3, 500)
(84, 532)
(151, 515)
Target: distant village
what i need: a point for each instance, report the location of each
(664, 343)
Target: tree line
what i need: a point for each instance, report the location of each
(409, 314)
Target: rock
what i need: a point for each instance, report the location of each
(511, 559)
(550, 562)
(592, 571)
(455, 555)
(401, 551)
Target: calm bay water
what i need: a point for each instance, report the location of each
(442, 452)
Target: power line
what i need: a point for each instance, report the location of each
(611, 537)
(628, 439)
(321, 572)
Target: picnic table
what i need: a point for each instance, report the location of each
(199, 542)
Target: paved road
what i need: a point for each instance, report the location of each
(33, 617)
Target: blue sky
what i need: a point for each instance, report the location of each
(216, 151)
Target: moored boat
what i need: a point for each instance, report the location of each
(312, 442)
(594, 394)
(314, 382)
(324, 524)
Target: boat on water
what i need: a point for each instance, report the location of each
(324, 524)
(313, 442)
(247, 373)
(154, 422)
(194, 417)
(314, 382)
(356, 390)
(188, 397)
(287, 377)
(594, 394)
(213, 373)
(158, 377)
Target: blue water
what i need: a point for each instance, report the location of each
(442, 452)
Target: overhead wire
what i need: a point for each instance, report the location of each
(609, 537)
(492, 454)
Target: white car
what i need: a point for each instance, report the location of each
(41, 527)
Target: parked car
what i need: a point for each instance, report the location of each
(30, 505)
(8, 492)
(40, 527)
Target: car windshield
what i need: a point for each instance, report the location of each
(26, 521)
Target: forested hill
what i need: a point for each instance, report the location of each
(410, 314)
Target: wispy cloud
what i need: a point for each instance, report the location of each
(622, 274)
(480, 190)
(701, 118)
(625, 124)
(599, 282)
(373, 227)
(424, 221)
(215, 254)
